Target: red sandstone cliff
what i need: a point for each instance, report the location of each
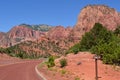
(92, 14)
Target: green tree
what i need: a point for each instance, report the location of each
(97, 35)
(110, 52)
(117, 31)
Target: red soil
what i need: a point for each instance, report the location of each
(82, 66)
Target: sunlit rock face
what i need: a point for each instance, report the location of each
(92, 14)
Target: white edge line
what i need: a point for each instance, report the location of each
(38, 73)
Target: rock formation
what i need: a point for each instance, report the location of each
(18, 34)
(92, 14)
(59, 33)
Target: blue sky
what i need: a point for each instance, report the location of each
(51, 12)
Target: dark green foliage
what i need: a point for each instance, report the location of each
(50, 62)
(2, 50)
(20, 55)
(117, 31)
(97, 35)
(17, 51)
(74, 49)
(63, 62)
(110, 52)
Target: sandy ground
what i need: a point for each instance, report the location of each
(81, 67)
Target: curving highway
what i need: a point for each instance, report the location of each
(20, 71)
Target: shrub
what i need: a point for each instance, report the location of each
(77, 78)
(50, 62)
(74, 49)
(63, 71)
(2, 50)
(63, 62)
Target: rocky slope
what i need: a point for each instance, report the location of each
(92, 14)
(2, 34)
(18, 34)
(59, 33)
(24, 32)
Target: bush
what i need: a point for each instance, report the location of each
(63, 62)
(74, 49)
(2, 50)
(63, 71)
(77, 78)
(50, 62)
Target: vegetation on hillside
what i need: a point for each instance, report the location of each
(40, 27)
(102, 42)
(30, 49)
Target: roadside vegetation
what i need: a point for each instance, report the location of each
(33, 50)
(50, 62)
(63, 62)
(102, 42)
(16, 51)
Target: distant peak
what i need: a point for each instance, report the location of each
(99, 7)
(39, 27)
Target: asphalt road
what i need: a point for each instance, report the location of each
(19, 71)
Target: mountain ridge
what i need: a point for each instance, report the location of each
(39, 27)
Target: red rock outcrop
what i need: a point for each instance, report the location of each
(92, 14)
(4, 41)
(2, 34)
(24, 32)
(59, 33)
(18, 34)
